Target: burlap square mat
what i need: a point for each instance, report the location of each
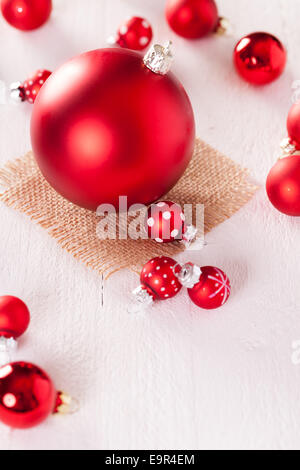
(211, 179)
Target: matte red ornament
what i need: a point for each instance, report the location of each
(165, 222)
(259, 58)
(100, 129)
(14, 317)
(283, 185)
(29, 90)
(293, 125)
(27, 395)
(192, 19)
(212, 290)
(159, 278)
(135, 33)
(26, 14)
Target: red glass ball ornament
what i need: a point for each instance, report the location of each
(192, 19)
(165, 222)
(159, 279)
(31, 87)
(283, 185)
(14, 317)
(212, 290)
(135, 34)
(259, 58)
(27, 395)
(100, 129)
(26, 14)
(293, 125)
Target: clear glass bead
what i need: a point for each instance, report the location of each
(141, 301)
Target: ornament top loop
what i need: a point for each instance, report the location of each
(7, 345)
(288, 147)
(141, 301)
(159, 58)
(224, 27)
(17, 92)
(189, 275)
(65, 404)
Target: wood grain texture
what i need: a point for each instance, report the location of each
(180, 377)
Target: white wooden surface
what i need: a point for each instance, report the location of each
(181, 377)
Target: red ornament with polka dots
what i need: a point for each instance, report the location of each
(135, 33)
(159, 281)
(28, 90)
(159, 278)
(165, 222)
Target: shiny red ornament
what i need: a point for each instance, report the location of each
(29, 90)
(135, 34)
(100, 129)
(293, 125)
(26, 14)
(212, 290)
(158, 278)
(14, 317)
(283, 185)
(192, 19)
(259, 58)
(27, 395)
(165, 222)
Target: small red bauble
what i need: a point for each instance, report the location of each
(293, 125)
(29, 90)
(26, 14)
(259, 58)
(14, 317)
(100, 129)
(159, 278)
(165, 222)
(135, 34)
(212, 290)
(27, 395)
(192, 19)
(283, 185)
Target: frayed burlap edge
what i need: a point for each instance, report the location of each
(211, 179)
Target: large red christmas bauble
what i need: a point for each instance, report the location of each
(192, 19)
(104, 126)
(14, 317)
(259, 58)
(26, 14)
(159, 278)
(27, 395)
(283, 185)
(293, 125)
(212, 290)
